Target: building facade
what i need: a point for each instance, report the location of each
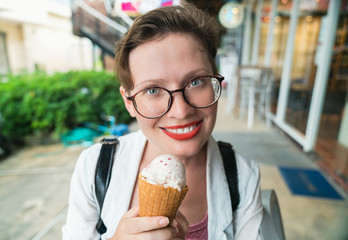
(37, 34)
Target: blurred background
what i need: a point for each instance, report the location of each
(285, 64)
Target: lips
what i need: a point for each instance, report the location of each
(183, 132)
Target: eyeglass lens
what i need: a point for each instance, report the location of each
(199, 92)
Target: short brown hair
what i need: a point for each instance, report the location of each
(158, 24)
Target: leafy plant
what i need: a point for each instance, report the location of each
(45, 104)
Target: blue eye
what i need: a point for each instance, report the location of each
(195, 83)
(152, 91)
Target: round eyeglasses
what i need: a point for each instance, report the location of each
(199, 92)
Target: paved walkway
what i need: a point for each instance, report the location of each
(34, 185)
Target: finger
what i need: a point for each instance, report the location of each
(133, 212)
(182, 225)
(144, 224)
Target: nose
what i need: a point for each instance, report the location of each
(180, 108)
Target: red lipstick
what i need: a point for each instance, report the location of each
(183, 132)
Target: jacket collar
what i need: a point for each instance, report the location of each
(219, 202)
(124, 176)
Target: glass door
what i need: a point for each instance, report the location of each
(332, 142)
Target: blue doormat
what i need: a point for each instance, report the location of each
(308, 182)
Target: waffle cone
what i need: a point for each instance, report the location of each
(156, 200)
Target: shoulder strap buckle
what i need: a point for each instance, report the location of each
(109, 141)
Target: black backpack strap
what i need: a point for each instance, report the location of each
(103, 175)
(230, 165)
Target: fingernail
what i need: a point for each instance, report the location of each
(163, 221)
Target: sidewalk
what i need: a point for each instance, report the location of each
(34, 185)
(34, 188)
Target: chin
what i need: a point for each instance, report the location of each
(187, 148)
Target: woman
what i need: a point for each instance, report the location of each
(169, 83)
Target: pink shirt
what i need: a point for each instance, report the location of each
(198, 231)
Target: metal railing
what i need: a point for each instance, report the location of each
(93, 23)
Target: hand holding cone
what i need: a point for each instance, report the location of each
(162, 187)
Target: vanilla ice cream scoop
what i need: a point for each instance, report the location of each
(166, 170)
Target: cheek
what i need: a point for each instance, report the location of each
(144, 123)
(211, 111)
(211, 114)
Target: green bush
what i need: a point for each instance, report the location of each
(52, 104)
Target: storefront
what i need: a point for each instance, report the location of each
(305, 42)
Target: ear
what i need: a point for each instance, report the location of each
(128, 104)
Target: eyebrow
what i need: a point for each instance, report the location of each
(149, 82)
(187, 77)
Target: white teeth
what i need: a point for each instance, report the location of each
(174, 130)
(182, 130)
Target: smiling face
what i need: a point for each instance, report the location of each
(171, 63)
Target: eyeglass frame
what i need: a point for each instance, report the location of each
(182, 90)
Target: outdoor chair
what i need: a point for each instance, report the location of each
(255, 87)
(272, 224)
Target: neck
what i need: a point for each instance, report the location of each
(197, 159)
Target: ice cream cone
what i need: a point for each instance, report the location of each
(157, 200)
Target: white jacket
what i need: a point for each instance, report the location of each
(82, 213)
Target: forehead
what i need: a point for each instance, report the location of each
(171, 57)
